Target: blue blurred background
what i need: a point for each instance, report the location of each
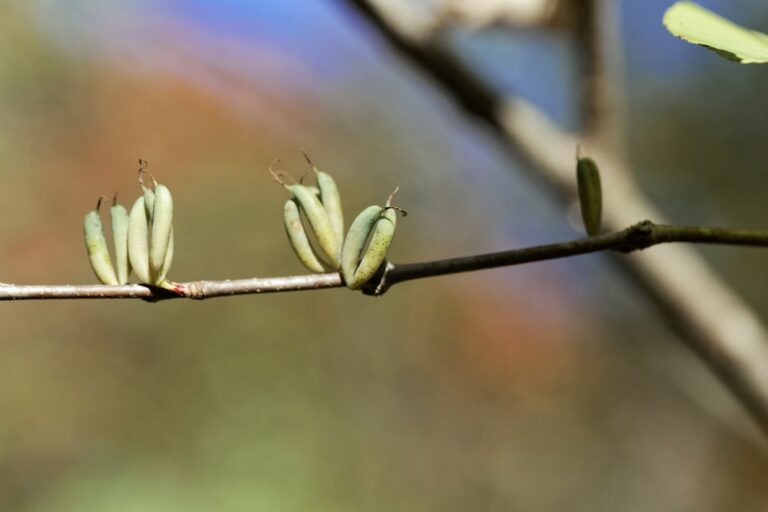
(544, 387)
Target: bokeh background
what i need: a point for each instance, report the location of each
(553, 386)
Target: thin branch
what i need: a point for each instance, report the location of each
(596, 32)
(636, 237)
(191, 290)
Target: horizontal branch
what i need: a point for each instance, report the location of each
(190, 290)
(638, 236)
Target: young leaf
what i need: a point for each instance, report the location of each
(698, 25)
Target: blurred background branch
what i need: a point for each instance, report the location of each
(708, 315)
(595, 30)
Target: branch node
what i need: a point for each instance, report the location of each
(379, 284)
(195, 290)
(643, 228)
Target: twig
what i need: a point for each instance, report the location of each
(599, 48)
(636, 237)
(710, 318)
(190, 290)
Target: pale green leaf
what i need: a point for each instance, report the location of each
(698, 25)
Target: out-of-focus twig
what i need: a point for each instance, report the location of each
(712, 320)
(595, 30)
(517, 13)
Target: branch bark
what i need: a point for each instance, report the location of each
(710, 318)
(636, 237)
